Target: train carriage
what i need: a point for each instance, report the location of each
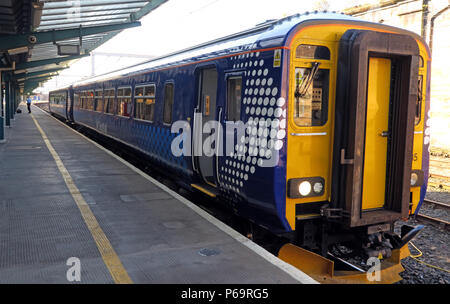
(58, 102)
(335, 141)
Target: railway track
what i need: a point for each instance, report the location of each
(439, 168)
(439, 180)
(442, 161)
(439, 176)
(433, 220)
(435, 204)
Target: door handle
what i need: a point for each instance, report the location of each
(345, 161)
(385, 134)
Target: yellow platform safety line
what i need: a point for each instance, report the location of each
(109, 256)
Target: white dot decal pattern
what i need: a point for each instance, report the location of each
(265, 118)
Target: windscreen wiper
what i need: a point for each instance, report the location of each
(302, 89)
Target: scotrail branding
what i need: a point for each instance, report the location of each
(255, 138)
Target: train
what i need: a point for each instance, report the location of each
(314, 127)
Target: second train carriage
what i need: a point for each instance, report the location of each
(340, 104)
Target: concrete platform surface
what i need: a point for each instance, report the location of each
(115, 221)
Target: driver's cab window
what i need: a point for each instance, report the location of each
(311, 86)
(311, 97)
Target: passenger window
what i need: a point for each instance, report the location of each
(311, 96)
(310, 51)
(168, 103)
(80, 100)
(76, 100)
(110, 102)
(85, 100)
(419, 100)
(98, 101)
(234, 89)
(124, 101)
(90, 100)
(145, 102)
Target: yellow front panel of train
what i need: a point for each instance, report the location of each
(310, 148)
(377, 123)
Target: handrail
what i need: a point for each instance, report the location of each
(194, 127)
(218, 144)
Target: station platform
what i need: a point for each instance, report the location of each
(71, 211)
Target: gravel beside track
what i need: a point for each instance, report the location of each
(434, 243)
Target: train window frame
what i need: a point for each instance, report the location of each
(421, 90)
(421, 62)
(76, 100)
(419, 101)
(329, 65)
(96, 100)
(130, 102)
(107, 100)
(85, 94)
(238, 107)
(325, 96)
(145, 97)
(83, 103)
(90, 100)
(80, 100)
(166, 84)
(324, 48)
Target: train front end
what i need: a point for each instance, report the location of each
(358, 136)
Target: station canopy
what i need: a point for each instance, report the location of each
(38, 38)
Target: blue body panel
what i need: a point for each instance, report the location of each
(241, 177)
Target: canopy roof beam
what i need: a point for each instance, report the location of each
(38, 73)
(147, 9)
(37, 80)
(38, 63)
(99, 9)
(48, 18)
(34, 38)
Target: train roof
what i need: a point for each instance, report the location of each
(272, 33)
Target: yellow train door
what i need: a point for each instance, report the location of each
(376, 139)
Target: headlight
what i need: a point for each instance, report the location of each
(414, 178)
(304, 188)
(417, 178)
(318, 187)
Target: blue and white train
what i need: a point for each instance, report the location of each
(340, 104)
